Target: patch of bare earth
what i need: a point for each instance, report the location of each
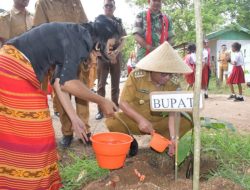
(158, 170)
(237, 113)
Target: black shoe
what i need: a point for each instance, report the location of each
(99, 116)
(206, 96)
(232, 96)
(133, 148)
(56, 113)
(66, 141)
(87, 142)
(238, 99)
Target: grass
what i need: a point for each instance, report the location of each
(82, 171)
(232, 151)
(214, 88)
(224, 89)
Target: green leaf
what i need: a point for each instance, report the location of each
(184, 148)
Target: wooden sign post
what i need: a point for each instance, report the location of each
(174, 101)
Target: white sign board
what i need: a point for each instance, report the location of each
(173, 101)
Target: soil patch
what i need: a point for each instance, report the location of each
(158, 170)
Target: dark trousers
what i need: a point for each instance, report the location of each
(103, 69)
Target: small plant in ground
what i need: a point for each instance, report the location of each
(80, 172)
(232, 152)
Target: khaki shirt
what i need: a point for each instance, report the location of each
(136, 92)
(59, 11)
(14, 23)
(224, 57)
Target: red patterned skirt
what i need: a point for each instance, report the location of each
(28, 158)
(237, 76)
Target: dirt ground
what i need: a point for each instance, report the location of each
(158, 169)
(159, 175)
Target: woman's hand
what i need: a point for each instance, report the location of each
(79, 129)
(145, 126)
(108, 107)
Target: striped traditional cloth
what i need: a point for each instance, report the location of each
(28, 158)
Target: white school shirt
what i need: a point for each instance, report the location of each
(238, 58)
(193, 58)
(204, 56)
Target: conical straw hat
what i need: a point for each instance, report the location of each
(163, 59)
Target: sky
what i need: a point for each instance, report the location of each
(92, 8)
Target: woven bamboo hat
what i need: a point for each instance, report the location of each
(163, 59)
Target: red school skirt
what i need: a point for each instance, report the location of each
(236, 76)
(204, 78)
(190, 77)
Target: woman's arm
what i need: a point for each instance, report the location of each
(78, 89)
(78, 126)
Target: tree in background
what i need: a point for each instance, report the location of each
(216, 14)
(129, 46)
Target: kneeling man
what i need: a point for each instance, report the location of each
(155, 72)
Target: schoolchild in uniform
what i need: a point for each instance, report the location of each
(190, 60)
(237, 74)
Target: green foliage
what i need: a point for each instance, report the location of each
(216, 124)
(129, 46)
(232, 151)
(82, 171)
(214, 88)
(184, 147)
(215, 14)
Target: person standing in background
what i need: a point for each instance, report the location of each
(112, 66)
(206, 71)
(190, 60)
(224, 57)
(237, 75)
(16, 21)
(131, 62)
(65, 11)
(152, 28)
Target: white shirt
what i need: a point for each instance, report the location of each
(193, 58)
(131, 62)
(237, 57)
(204, 56)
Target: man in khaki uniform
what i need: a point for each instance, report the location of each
(65, 11)
(135, 99)
(224, 57)
(15, 22)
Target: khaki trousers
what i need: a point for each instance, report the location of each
(82, 108)
(222, 70)
(160, 126)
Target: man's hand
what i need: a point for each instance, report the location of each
(108, 107)
(145, 126)
(79, 129)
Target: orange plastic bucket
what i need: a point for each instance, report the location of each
(111, 149)
(159, 143)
